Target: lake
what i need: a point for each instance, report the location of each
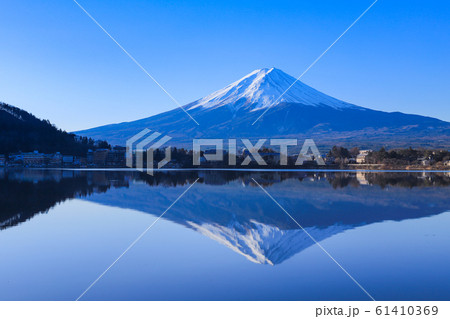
(225, 238)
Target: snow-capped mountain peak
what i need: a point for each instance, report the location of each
(263, 88)
(301, 112)
(264, 244)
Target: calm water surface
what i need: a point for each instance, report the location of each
(225, 239)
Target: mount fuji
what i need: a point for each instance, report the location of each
(263, 88)
(301, 112)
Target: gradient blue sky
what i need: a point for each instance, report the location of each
(57, 64)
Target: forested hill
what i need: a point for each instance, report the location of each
(22, 131)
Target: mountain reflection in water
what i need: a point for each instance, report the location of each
(228, 207)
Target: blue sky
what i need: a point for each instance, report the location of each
(58, 65)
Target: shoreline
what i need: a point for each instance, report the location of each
(126, 169)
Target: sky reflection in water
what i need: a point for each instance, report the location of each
(225, 239)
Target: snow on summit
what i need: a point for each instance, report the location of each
(302, 111)
(261, 88)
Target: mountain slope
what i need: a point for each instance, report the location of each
(262, 88)
(230, 208)
(302, 112)
(248, 222)
(21, 131)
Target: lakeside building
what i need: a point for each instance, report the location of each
(68, 159)
(361, 157)
(116, 157)
(99, 157)
(33, 159)
(36, 159)
(109, 158)
(54, 160)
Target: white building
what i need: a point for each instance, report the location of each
(361, 157)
